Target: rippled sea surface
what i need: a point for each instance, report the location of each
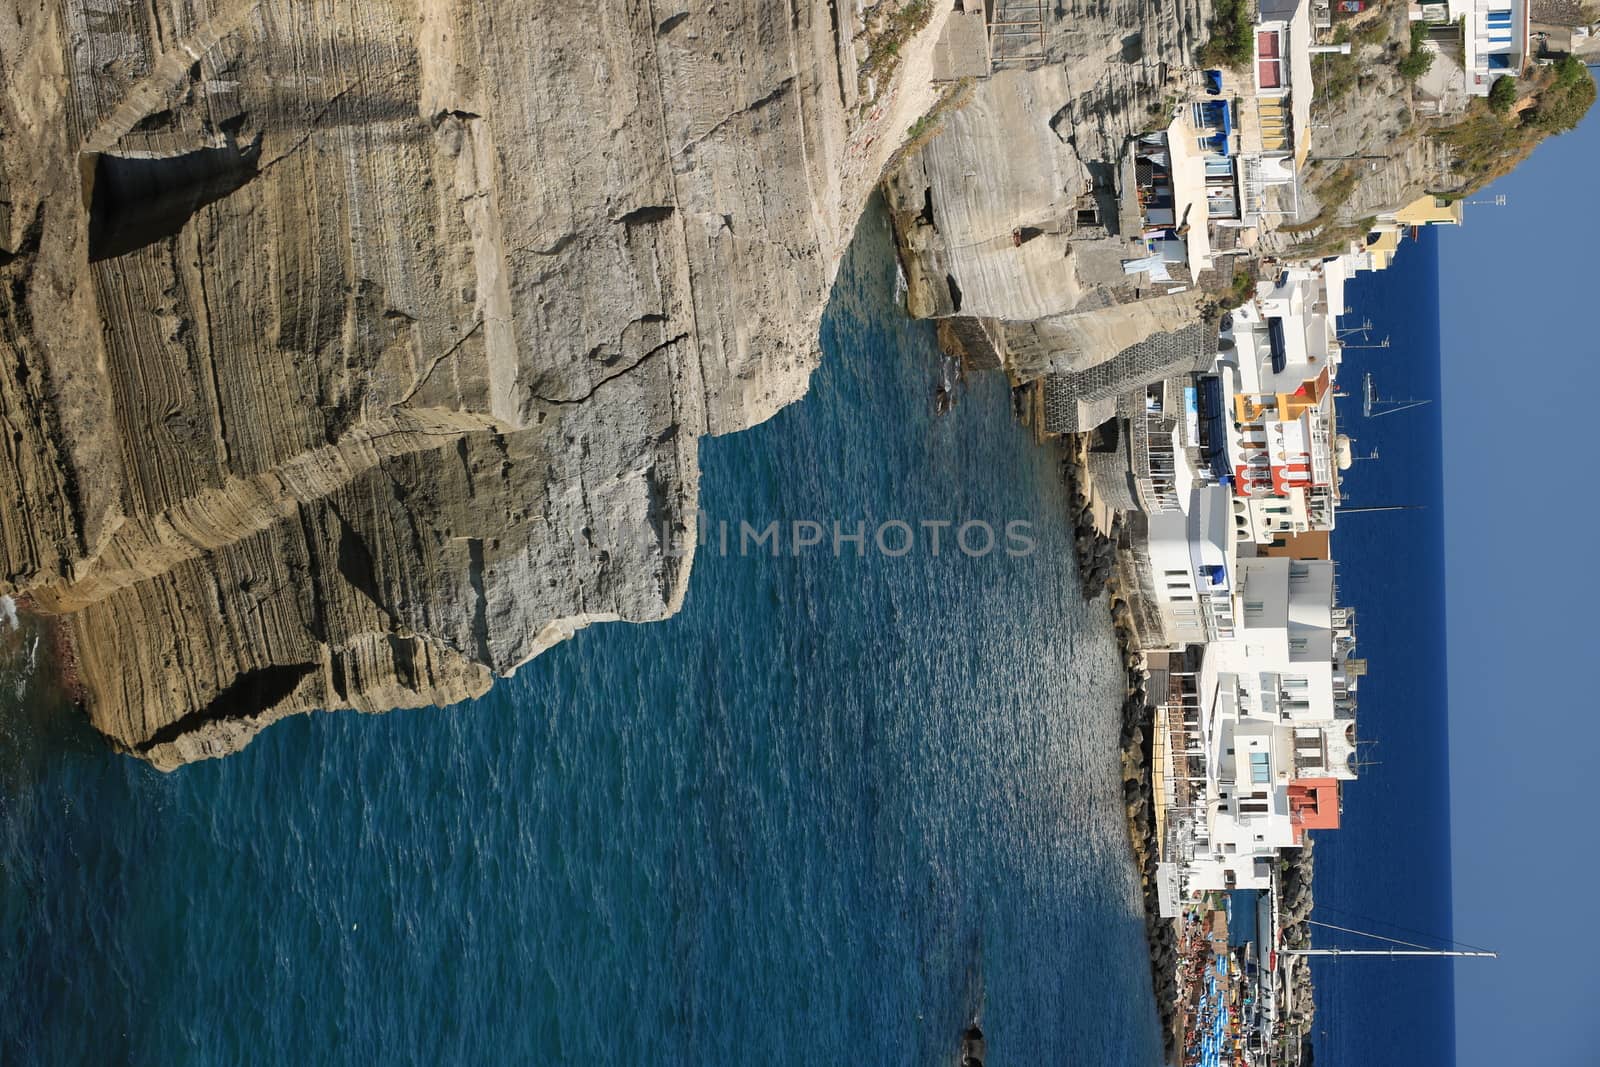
(829, 813)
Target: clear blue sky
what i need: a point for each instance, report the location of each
(1520, 304)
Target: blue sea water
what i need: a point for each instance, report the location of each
(831, 812)
(1387, 869)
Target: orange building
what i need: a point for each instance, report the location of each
(1313, 544)
(1313, 805)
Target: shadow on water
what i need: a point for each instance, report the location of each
(38, 721)
(58, 779)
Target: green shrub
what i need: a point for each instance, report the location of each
(1502, 94)
(1232, 42)
(1570, 72)
(1488, 141)
(1563, 105)
(1242, 288)
(1415, 65)
(1418, 60)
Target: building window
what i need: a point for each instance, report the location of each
(1260, 770)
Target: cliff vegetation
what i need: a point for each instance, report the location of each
(1499, 132)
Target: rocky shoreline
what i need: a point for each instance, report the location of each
(1295, 876)
(1096, 541)
(356, 413)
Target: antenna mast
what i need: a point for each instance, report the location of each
(1395, 952)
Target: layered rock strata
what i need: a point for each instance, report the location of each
(1014, 213)
(354, 353)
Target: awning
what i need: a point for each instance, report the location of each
(1279, 344)
(1241, 906)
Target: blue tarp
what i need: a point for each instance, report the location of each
(1218, 116)
(1275, 338)
(1212, 1047)
(1242, 916)
(1214, 415)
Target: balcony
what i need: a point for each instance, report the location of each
(1154, 462)
(1219, 623)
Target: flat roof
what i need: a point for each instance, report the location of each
(1301, 85)
(1189, 190)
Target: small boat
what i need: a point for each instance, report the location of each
(1373, 405)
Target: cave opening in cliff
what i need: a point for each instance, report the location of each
(135, 201)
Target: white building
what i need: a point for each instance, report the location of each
(1494, 40)
(1193, 553)
(1289, 331)
(1282, 444)
(1277, 725)
(1275, 121)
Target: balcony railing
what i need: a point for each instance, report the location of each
(1154, 461)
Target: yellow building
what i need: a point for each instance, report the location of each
(1381, 244)
(1249, 408)
(1385, 237)
(1428, 211)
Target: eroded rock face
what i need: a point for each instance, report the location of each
(355, 353)
(1014, 214)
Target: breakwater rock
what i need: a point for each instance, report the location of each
(1296, 874)
(1162, 934)
(356, 353)
(1098, 572)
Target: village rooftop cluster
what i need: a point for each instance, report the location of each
(1227, 481)
(1225, 469)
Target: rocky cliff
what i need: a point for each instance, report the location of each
(1011, 210)
(355, 353)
